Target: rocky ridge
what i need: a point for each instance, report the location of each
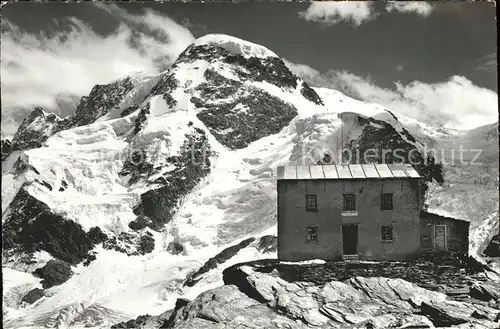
(258, 295)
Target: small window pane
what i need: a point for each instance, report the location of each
(386, 201)
(311, 203)
(349, 202)
(311, 233)
(387, 233)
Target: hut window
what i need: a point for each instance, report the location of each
(349, 202)
(386, 201)
(387, 233)
(311, 202)
(311, 233)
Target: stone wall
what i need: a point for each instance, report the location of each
(457, 232)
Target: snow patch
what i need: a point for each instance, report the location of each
(235, 45)
(305, 262)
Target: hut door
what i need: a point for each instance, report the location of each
(350, 239)
(439, 237)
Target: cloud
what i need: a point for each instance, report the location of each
(455, 103)
(47, 71)
(488, 63)
(418, 7)
(329, 13)
(359, 12)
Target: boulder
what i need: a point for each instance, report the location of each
(268, 243)
(175, 248)
(213, 262)
(396, 292)
(181, 302)
(227, 307)
(33, 296)
(54, 273)
(446, 313)
(485, 292)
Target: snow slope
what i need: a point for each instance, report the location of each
(235, 45)
(254, 115)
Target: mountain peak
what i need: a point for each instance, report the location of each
(235, 45)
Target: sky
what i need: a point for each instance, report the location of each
(432, 61)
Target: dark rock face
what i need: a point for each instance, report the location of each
(175, 248)
(23, 208)
(39, 126)
(125, 243)
(100, 101)
(165, 87)
(128, 111)
(64, 186)
(36, 128)
(140, 223)
(61, 238)
(220, 258)
(137, 167)
(96, 235)
(141, 118)
(235, 127)
(90, 258)
(390, 148)
(192, 164)
(6, 148)
(493, 248)
(33, 296)
(270, 69)
(131, 244)
(310, 94)
(236, 113)
(54, 273)
(146, 244)
(31, 226)
(45, 184)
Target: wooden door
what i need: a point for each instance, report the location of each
(439, 237)
(350, 239)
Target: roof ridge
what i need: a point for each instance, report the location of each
(349, 168)
(363, 170)
(354, 171)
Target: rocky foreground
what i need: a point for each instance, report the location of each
(438, 292)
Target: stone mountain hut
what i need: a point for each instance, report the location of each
(369, 211)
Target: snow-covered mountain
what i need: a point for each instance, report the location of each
(117, 205)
